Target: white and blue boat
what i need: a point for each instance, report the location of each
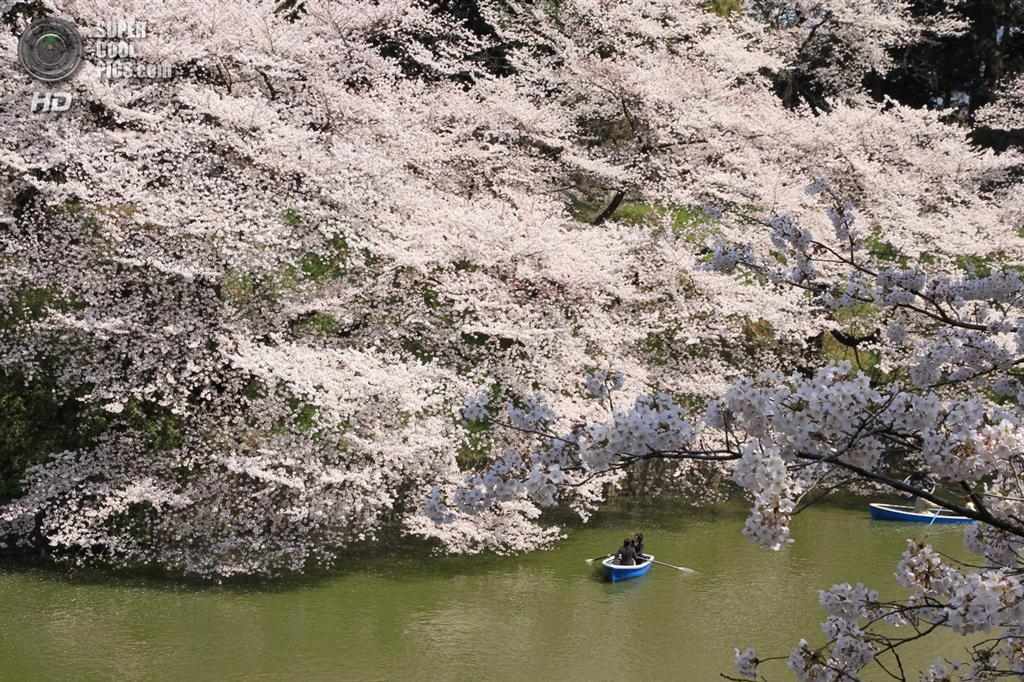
(899, 512)
(618, 573)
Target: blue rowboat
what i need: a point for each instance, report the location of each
(617, 573)
(899, 512)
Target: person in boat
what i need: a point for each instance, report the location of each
(626, 556)
(638, 545)
(921, 481)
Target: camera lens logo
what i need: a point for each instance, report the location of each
(50, 49)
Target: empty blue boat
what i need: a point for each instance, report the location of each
(899, 512)
(617, 573)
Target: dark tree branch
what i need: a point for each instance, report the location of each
(610, 208)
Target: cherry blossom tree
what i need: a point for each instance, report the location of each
(359, 269)
(1004, 111)
(943, 398)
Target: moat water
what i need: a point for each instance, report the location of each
(543, 616)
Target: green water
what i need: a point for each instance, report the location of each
(539, 617)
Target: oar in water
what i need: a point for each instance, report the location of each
(603, 556)
(684, 569)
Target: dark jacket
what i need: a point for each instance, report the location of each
(626, 556)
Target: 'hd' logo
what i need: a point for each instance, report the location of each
(44, 102)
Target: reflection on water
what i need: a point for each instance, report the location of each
(543, 616)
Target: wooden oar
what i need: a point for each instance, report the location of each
(684, 569)
(603, 556)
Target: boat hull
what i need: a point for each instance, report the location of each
(897, 512)
(616, 573)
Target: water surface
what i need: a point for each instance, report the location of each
(543, 616)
